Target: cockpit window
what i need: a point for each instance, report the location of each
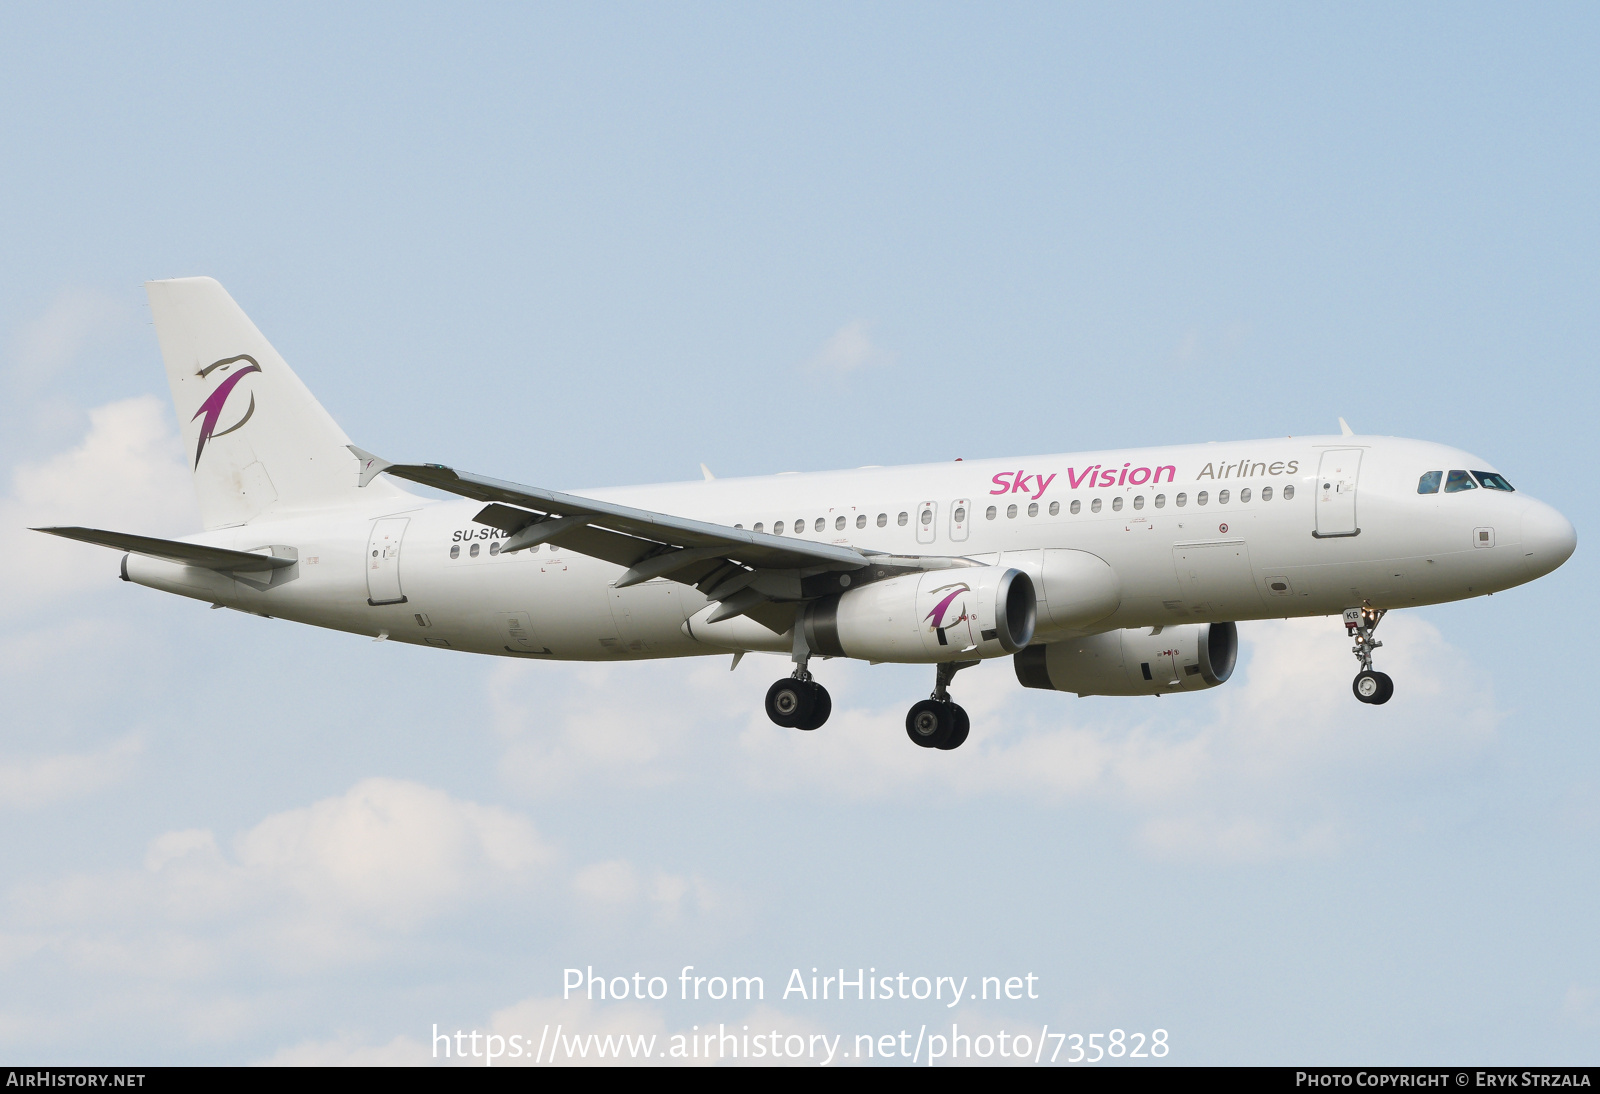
(1429, 483)
(1490, 481)
(1457, 481)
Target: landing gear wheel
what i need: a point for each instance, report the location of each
(958, 733)
(821, 707)
(1373, 687)
(931, 723)
(790, 702)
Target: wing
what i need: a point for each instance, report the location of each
(748, 573)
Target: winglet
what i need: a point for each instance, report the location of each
(371, 466)
(1345, 430)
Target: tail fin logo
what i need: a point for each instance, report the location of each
(212, 408)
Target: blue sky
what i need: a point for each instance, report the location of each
(591, 246)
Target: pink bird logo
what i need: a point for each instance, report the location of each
(936, 617)
(212, 407)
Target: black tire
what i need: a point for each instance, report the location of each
(821, 707)
(1385, 690)
(789, 702)
(1368, 685)
(930, 723)
(963, 726)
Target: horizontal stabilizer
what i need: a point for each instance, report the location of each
(187, 554)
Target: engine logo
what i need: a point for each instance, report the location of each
(936, 617)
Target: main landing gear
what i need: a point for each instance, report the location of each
(937, 722)
(1370, 686)
(798, 702)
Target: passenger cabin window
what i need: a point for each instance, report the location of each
(1116, 504)
(1288, 492)
(927, 517)
(474, 551)
(1094, 506)
(960, 514)
(1266, 493)
(1458, 481)
(1429, 483)
(902, 518)
(1222, 497)
(838, 524)
(988, 514)
(760, 526)
(1011, 512)
(1244, 496)
(1077, 507)
(455, 550)
(1181, 500)
(861, 521)
(822, 523)
(1033, 509)
(777, 527)
(1161, 500)
(494, 547)
(883, 520)
(1490, 481)
(1138, 501)
(1055, 508)
(1202, 497)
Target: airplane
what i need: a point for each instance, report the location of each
(1099, 573)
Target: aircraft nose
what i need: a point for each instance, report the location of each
(1548, 538)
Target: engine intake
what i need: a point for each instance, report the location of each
(940, 615)
(1143, 661)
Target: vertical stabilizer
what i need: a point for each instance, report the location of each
(258, 442)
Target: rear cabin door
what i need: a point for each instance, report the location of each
(1336, 492)
(927, 516)
(383, 561)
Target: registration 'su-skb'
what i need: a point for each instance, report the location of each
(1098, 573)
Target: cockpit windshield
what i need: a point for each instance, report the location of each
(1492, 481)
(1429, 483)
(1458, 481)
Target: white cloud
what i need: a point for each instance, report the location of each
(561, 720)
(332, 882)
(1580, 1006)
(76, 320)
(617, 884)
(348, 1052)
(1268, 766)
(127, 475)
(29, 782)
(849, 348)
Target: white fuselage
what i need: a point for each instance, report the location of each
(1235, 531)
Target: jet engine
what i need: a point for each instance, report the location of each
(939, 615)
(1142, 661)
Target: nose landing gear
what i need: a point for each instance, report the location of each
(937, 722)
(1369, 686)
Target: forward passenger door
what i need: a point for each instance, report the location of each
(1336, 492)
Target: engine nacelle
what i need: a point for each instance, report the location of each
(939, 615)
(1142, 661)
